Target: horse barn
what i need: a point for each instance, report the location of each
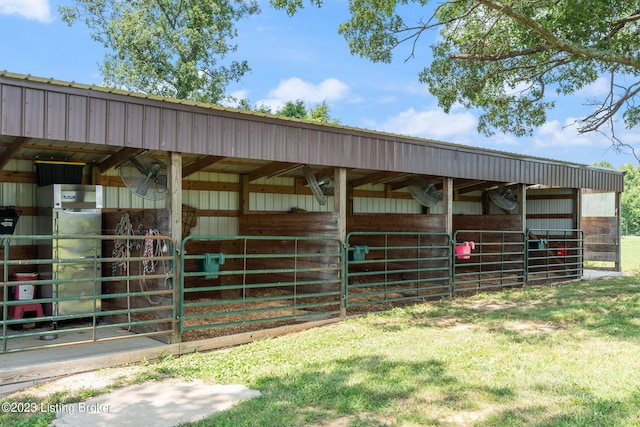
(128, 215)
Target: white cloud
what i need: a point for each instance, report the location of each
(235, 97)
(433, 124)
(555, 134)
(601, 86)
(38, 10)
(294, 89)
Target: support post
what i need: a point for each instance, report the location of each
(447, 204)
(244, 195)
(522, 206)
(340, 206)
(618, 263)
(174, 171)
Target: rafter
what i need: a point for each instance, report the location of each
(272, 169)
(437, 181)
(117, 158)
(377, 178)
(11, 150)
(200, 164)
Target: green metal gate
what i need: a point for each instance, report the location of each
(488, 260)
(235, 282)
(396, 266)
(554, 255)
(121, 294)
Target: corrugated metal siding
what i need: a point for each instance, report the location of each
(383, 206)
(599, 204)
(33, 107)
(550, 206)
(469, 208)
(550, 224)
(387, 205)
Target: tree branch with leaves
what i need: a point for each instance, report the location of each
(510, 59)
(173, 48)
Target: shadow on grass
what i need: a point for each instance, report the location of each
(606, 308)
(362, 389)
(593, 411)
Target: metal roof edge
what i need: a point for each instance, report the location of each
(306, 123)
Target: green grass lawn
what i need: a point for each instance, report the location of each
(631, 254)
(555, 356)
(630, 248)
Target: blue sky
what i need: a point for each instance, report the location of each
(303, 57)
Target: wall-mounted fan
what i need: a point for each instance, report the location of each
(503, 198)
(425, 192)
(318, 186)
(145, 176)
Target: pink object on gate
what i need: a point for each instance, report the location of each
(464, 249)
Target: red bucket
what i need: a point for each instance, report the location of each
(464, 249)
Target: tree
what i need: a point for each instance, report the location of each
(509, 58)
(174, 48)
(297, 110)
(630, 200)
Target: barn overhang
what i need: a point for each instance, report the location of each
(50, 119)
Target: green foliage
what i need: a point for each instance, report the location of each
(508, 59)
(296, 110)
(630, 200)
(174, 48)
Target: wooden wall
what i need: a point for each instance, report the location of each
(298, 224)
(396, 223)
(601, 239)
(397, 247)
(491, 245)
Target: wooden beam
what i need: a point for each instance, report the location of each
(272, 169)
(243, 195)
(447, 204)
(522, 205)
(340, 201)
(200, 164)
(401, 184)
(117, 158)
(375, 178)
(618, 230)
(11, 150)
(567, 196)
(174, 171)
(437, 181)
(15, 177)
(469, 187)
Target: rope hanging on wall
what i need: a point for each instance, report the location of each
(152, 251)
(122, 248)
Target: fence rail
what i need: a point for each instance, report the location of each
(400, 266)
(54, 298)
(259, 279)
(124, 287)
(491, 259)
(554, 255)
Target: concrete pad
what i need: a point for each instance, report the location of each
(599, 274)
(163, 403)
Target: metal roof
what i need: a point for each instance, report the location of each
(54, 120)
